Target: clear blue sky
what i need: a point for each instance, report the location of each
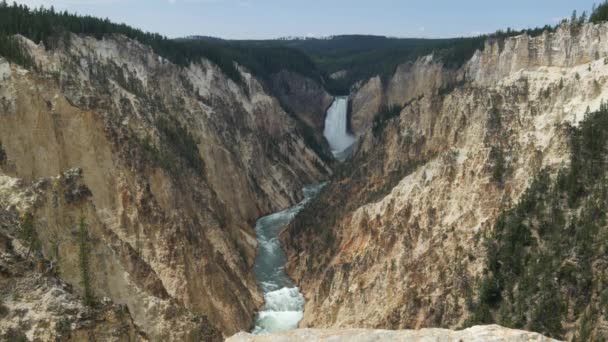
(279, 18)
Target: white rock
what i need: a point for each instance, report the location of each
(480, 333)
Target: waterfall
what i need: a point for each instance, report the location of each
(284, 304)
(336, 128)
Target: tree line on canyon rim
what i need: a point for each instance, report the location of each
(362, 56)
(51, 27)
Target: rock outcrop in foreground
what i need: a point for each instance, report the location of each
(477, 333)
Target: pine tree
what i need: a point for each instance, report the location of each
(582, 19)
(84, 257)
(2, 155)
(28, 234)
(573, 18)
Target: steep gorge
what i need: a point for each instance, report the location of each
(396, 240)
(135, 183)
(169, 168)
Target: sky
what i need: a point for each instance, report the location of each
(261, 19)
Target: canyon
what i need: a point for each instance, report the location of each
(169, 167)
(144, 200)
(397, 239)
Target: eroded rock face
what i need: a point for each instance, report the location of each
(303, 96)
(36, 303)
(409, 82)
(396, 241)
(567, 47)
(365, 103)
(499, 58)
(175, 166)
(476, 333)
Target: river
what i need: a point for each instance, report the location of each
(284, 304)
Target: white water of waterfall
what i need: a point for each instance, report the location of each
(284, 307)
(336, 128)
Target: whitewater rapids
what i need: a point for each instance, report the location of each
(284, 304)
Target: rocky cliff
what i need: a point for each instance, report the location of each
(36, 303)
(302, 96)
(171, 167)
(397, 238)
(409, 81)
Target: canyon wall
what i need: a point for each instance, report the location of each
(169, 167)
(396, 239)
(409, 81)
(36, 303)
(304, 97)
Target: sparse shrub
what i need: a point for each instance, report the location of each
(450, 157)
(447, 89)
(29, 235)
(585, 327)
(385, 113)
(205, 331)
(63, 326)
(2, 155)
(525, 86)
(84, 253)
(181, 142)
(490, 291)
(57, 257)
(499, 169)
(13, 51)
(328, 237)
(3, 309)
(309, 135)
(547, 313)
(15, 335)
(494, 120)
(480, 315)
(176, 147)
